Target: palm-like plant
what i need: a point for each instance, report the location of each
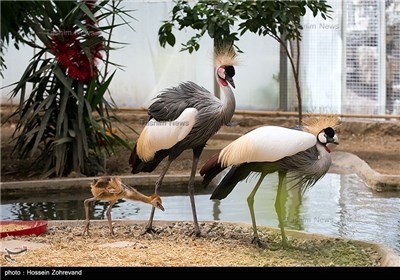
(65, 122)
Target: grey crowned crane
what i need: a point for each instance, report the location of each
(300, 156)
(185, 117)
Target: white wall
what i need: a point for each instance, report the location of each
(321, 62)
(16, 62)
(150, 68)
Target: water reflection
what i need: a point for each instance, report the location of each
(339, 205)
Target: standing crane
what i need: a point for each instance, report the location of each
(185, 117)
(300, 156)
(112, 189)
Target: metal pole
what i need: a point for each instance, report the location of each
(344, 55)
(382, 59)
(217, 91)
(283, 77)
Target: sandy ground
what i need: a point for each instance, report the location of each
(221, 244)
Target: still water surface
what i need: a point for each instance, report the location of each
(339, 205)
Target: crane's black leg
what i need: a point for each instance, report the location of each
(108, 214)
(250, 202)
(196, 156)
(278, 208)
(87, 222)
(149, 226)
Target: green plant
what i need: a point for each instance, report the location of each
(279, 19)
(65, 122)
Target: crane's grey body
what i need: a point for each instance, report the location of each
(187, 100)
(303, 169)
(307, 167)
(212, 113)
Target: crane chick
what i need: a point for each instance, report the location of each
(112, 189)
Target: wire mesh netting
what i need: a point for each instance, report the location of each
(350, 63)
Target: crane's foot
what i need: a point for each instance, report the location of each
(256, 241)
(288, 246)
(147, 230)
(273, 247)
(282, 245)
(285, 245)
(195, 233)
(86, 230)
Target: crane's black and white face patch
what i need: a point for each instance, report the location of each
(329, 132)
(230, 71)
(225, 74)
(327, 135)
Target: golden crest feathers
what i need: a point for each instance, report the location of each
(314, 125)
(225, 54)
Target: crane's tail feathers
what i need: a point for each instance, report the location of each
(139, 166)
(211, 169)
(151, 165)
(135, 161)
(228, 183)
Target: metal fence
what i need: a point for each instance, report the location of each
(350, 64)
(372, 54)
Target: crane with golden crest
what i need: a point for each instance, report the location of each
(185, 117)
(301, 156)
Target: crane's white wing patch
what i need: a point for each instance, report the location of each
(267, 143)
(160, 135)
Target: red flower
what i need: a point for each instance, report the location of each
(66, 46)
(73, 59)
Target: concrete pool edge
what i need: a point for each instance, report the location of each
(172, 182)
(388, 256)
(342, 163)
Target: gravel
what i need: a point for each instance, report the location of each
(221, 244)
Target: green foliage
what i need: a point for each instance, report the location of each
(13, 27)
(279, 19)
(217, 19)
(65, 122)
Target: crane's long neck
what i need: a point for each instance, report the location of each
(133, 194)
(325, 158)
(229, 104)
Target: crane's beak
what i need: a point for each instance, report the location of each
(333, 140)
(229, 80)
